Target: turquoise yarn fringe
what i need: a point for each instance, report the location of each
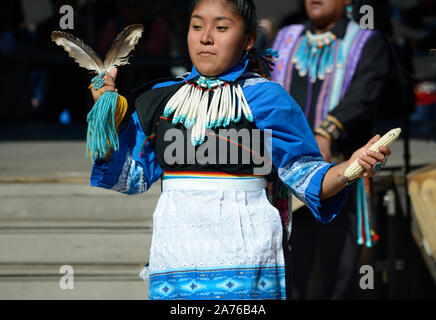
(102, 134)
(362, 215)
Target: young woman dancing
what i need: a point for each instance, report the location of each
(215, 234)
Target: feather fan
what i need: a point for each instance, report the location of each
(118, 55)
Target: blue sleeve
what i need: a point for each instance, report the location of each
(132, 169)
(292, 147)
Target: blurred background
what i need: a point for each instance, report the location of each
(50, 217)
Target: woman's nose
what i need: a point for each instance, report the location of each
(206, 37)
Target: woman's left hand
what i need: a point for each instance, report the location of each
(367, 159)
(109, 85)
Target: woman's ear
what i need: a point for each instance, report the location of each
(251, 40)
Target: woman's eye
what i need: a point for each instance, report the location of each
(221, 28)
(196, 27)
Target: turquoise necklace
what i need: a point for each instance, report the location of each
(315, 55)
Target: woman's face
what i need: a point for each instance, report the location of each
(324, 12)
(216, 37)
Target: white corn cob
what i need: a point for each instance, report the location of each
(355, 169)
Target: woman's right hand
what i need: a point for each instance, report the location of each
(109, 84)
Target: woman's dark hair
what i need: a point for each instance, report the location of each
(245, 8)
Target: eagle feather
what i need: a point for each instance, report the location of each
(118, 55)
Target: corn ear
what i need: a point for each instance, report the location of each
(355, 169)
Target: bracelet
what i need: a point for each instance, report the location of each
(336, 122)
(344, 182)
(330, 128)
(323, 133)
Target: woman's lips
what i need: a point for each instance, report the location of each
(206, 54)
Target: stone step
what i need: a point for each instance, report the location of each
(84, 289)
(44, 159)
(106, 265)
(70, 249)
(73, 203)
(81, 271)
(51, 217)
(55, 190)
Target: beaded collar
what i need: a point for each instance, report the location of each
(318, 54)
(315, 55)
(207, 103)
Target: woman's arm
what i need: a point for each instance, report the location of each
(133, 168)
(335, 180)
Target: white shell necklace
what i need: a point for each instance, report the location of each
(190, 106)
